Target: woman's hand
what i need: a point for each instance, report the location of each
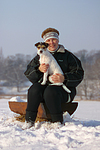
(43, 67)
(58, 78)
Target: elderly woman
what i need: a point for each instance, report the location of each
(53, 96)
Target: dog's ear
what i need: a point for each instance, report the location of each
(46, 44)
(42, 43)
(37, 44)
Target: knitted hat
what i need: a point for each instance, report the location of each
(50, 33)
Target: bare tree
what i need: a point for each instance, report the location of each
(89, 88)
(14, 70)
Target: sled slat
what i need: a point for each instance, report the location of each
(20, 108)
(43, 112)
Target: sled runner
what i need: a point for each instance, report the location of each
(43, 112)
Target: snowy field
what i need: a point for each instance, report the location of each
(81, 132)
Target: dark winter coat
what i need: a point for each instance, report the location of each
(69, 63)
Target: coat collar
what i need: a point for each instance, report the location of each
(61, 49)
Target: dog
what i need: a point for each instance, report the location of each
(47, 58)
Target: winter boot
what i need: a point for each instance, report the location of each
(29, 120)
(57, 118)
(27, 125)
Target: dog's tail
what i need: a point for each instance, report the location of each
(65, 88)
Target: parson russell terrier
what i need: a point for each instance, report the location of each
(47, 58)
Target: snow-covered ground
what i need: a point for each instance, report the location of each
(81, 132)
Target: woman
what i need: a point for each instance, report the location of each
(52, 96)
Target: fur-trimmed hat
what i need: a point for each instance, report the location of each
(50, 33)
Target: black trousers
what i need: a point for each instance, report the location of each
(52, 95)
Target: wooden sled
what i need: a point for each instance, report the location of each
(43, 112)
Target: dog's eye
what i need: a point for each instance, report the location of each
(43, 46)
(38, 47)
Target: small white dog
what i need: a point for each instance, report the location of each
(47, 58)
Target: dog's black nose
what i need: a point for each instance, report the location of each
(41, 51)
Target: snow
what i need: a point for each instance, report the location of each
(80, 132)
(16, 99)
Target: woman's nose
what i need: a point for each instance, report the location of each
(51, 41)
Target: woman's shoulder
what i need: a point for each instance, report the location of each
(35, 59)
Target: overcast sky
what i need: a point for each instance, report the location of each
(22, 22)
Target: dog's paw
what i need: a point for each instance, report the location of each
(50, 79)
(43, 83)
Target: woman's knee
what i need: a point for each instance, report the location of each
(52, 98)
(49, 91)
(35, 88)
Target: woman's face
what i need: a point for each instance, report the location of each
(53, 44)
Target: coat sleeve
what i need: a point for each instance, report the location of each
(75, 74)
(32, 72)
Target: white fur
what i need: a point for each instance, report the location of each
(47, 58)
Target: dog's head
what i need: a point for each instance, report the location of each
(41, 46)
